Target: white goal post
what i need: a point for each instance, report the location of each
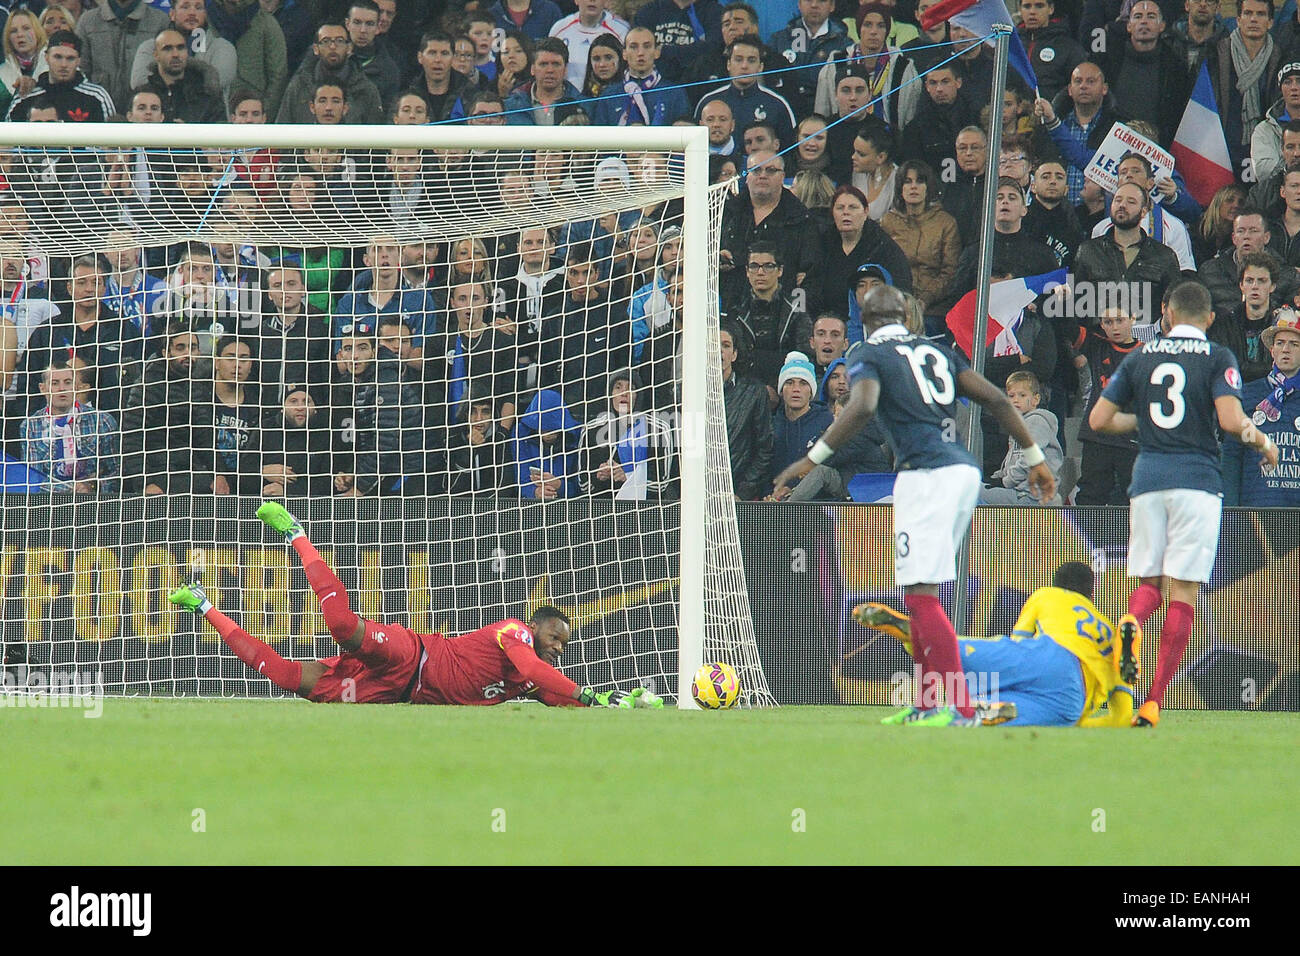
(712, 610)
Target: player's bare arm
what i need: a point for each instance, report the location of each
(861, 406)
(1234, 421)
(1107, 419)
(979, 389)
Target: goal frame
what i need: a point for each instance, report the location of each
(692, 142)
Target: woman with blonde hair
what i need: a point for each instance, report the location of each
(56, 17)
(813, 188)
(1214, 232)
(24, 53)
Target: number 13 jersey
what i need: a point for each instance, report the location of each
(918, 395)
(1171, 385)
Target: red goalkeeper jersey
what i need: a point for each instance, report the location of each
(488, 666)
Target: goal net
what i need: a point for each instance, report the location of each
(481, 365)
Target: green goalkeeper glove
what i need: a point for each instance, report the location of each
(642, 697)
(637, 698)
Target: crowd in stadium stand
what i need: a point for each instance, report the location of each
(545, 362)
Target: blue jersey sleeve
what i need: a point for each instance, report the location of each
(859, 364)
(1226, 378)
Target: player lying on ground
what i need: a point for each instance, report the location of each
(1060, 664)
(914, 385)
(387, 663)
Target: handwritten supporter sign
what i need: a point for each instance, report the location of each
(1121, 140)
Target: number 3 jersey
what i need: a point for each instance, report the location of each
(1171, 385)
(918, 395)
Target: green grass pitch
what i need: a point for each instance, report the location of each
(289, 782)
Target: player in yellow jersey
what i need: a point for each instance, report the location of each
(1061, 663)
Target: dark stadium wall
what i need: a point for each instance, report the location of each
(85, 583)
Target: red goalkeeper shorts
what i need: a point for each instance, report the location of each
(381, 671)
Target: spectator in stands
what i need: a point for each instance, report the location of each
(605, 66)
(1053, 52)
(579, 29)
(750, 99)
(1250, 233)
(1078, 119)
(475, 349)
(260, 48)
(767, 320)
(1127, 254)
(589, 336)
(707, 64)
(111, 33)
(293, 341)
(24, 305)
(963, 193)
(828, 340)
(1011, 480)
(765, 210)
(382, 290)
(24, 55)
(874, 169)
(65, 87)
(544, 449)
(717, 116)
(1213, 234)
(626, 451)
(362, 24)
(198, 300)
(1160, 222)
(56, 17)
(943, 112)
(529, 295)
(329, 104)
(683, 30)
(808, 39)
(799, 421)
(72, 443)
(110, 347)
(1201, 30)
(1015, 251)
(332, 63)
(1107, 464)
(167, 419)
(1267, 141)
(1266, 194)
(860, 241)
(409, 109)
(1284, 231)
(129, 290)
(377, 417)
(1242, 69)
(530, 18)
(295, 452)
(749, 421)
(514, 62)
(477, 447)
(1240, 329)
(810, 141)
(295, 24)
(890, 75)
(236, 416)
(648, 99)
(204, 46)
(188, 90)
(1274, 407)
(549, 99)
(1149, 73)
(648, 308)
(1051, 218)
(923, 231)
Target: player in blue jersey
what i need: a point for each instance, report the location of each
(913, 384)
(1178, 387)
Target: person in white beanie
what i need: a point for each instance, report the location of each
(799, 421)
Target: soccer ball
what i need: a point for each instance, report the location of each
(716, 686)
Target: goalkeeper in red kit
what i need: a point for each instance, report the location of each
(388, 664)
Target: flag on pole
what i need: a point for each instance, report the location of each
(1007, 299)
(1200, 149)
(978, 16)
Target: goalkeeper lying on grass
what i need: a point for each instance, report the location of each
(387, 664)
(1061, 663)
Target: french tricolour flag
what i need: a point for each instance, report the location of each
(978, 16)
(1200, 148)
(1007, 301)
